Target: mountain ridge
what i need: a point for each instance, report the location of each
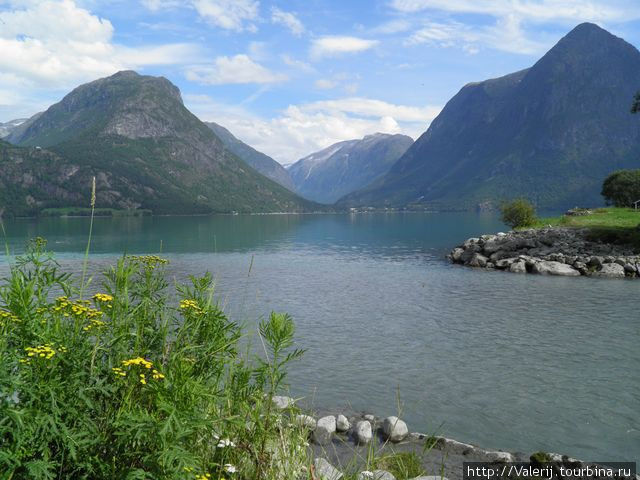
(551, 132)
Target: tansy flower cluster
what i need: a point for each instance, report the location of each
(103, 300)
(190, 306)
(93, 323)
(6, 317)
(78, 308)
(149, 260)
(138, 361)
(46, 352)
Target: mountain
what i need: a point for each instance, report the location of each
(264, 164)
(147, 151)
(7, 127)
(327, 175)
(551, 133)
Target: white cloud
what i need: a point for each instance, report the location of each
(325, 84)
(336, 45)
(234, 15)
(508, 32)
(287, 19)
(297, 64)
(157, 5)
(302, 129)
(53, 45)
(236, 69)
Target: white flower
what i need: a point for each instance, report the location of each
(225, 442)
(230, 468)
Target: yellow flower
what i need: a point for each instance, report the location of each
(102, 297)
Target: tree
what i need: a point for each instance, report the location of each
(635, 106)
(518, 213)
(622, 188)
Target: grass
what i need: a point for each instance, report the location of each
(607, 225)
(142, 381)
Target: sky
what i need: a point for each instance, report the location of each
(289, 77)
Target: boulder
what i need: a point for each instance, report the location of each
(306, 421)
(479, 261)
(610, 270)
(342, 423)
(456, 254)
(369, 417)
(325, 471)
(454, 447)
(325, 428)
(555, 268)
(362, 433)
(505, 263)
(282, 402)
(518, 267)
(629, 269)
(498, 457)
(376, 475)
(394, 429)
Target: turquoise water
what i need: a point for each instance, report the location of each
(516, 362)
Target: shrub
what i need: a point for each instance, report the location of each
(136, 383)
(622, 188)
(518, 213)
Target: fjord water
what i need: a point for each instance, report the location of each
(505, 361)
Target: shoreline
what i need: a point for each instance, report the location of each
(343, 442)
(561, 251)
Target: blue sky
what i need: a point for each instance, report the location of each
(289, 77)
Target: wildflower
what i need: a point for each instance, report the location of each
(149, 260)
(102, 297)
(190, 306)
(137, 361)
(6, 317)
(119, 372)
(45, 351)
(143, 379)
(229, 468)
(93, 323)
(225, 442)
(157, 375)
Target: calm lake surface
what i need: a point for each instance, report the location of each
(505, 361)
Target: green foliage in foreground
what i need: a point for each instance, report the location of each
(622, 188)
(518, 213)
(129, 386)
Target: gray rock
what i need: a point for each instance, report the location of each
(594, 262)
(611, 270)
(362, 433)
(325, 428)
(325, 471)
(478, 260)
(369, 417)
(376, 475)
(430, 477)
(498, 457)
(456, 254)
(283, 402)
(555, 268)
(394, 429)
(453, 446)
(629, 269)
(505, 262)
(518, 267)
(306, 421)
(342, 424)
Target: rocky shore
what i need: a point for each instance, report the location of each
(342, 443)
(548, 251)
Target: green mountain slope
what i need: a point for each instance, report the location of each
(264, 164)
(551, 133)
(148, 151)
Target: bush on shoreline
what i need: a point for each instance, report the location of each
(127, 386)
(518, 213)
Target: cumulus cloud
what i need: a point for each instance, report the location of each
(53, 45)
(236, 69)
(287, 19)
(302, 129)
(234, 15)
(333, 45)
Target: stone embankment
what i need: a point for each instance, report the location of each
(548, 251)
(342, 443)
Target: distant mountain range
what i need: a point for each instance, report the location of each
(8, 127)
(147, 151)
(344, 167)
(264, 164)
(550, 133)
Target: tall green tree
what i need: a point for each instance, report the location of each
(622, 188)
